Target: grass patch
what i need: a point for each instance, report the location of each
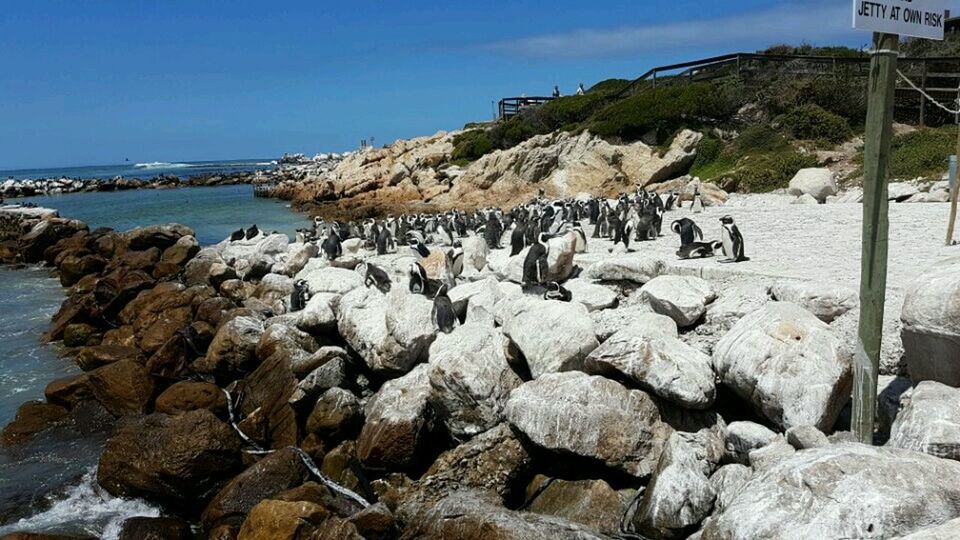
(923, 153)
(814, 123)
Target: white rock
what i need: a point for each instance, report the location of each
(317, 317)
(397, 421)
(625, 268)
(744, 437)
(329, 279)
(682, 298)
(362, 321)
(475, 252)
(471, 378)
(591, 417)
(553, 336)
(787, 364)
(806, 198)
(595, 297)
(734, 303)
(824, 300)
(945, 531)
(842, 491)
(819, 183)
(727, 482)
(929, 421)
(664, 366)
(931, 324)
(901, 191)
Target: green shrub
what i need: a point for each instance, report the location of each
(767, 172)
(609, 87)
(513, 132)
(842, 95)
(471, 145)
(760, 138)
(922, 153)
(812, 122)
(708, 150)
(569, 110)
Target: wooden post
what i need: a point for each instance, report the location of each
(873, 262)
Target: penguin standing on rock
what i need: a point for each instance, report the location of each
(375, 276)
(535, 263)
(557, 292)
(237, 235)
(252, 232)
(299, 296)
(697, 205)
(442, 313)
(493, 231)
(420, 283)
(332, 247)
(517, 238)
(731, 241)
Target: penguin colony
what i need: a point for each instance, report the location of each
(628, 218)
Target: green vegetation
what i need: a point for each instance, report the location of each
(806, 49)
(471, 145)
(761, 159)
(811, 122)
(769, 171)
(922, 153)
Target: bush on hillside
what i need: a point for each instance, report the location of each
(806, 49)
(569, 110)
(665, 110)
(513, 132)
(841, 95)
(922, 153)
(760, 138)
(767, 172)
(471, 145)
(812, 122)
(609, 87)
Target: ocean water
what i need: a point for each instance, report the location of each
(141, 170)
(49, 484)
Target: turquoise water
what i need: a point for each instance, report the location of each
(213, 212)
(141, 170)
(48, 486)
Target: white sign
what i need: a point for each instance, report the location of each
(915, 18)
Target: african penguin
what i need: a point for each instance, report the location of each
(555, 291)
(732, 242)
(535, 263)
(332, 247)
(252, 232)
(697, 206)
(375, 276)
(442, 313)
(299, 296)
(237, 235)
(688, 230)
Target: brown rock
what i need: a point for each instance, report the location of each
(80, 334)
(337, 415)
(264, 479)
(32, 418)
(41, 536)
(122, 387)
(334, 528)
(340, 463)
(180, 252)
(165, 327)
(123, 336)
(45, 234)
(321, 495)
(157, 236)
(375, 522)
(212, 310)
(68, 391)
(589, 502)
(180, 460)
(267, 390)
(233, 349)
(281, 520)
(186, 396)
(155, 528)
(100, 355)
(137, 260)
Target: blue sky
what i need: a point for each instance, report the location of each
(93, 82)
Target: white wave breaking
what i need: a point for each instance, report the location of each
(86, 507)
(160, 165)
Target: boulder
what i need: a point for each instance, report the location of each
(591, 503)
(662, 365)
(178, 460)
(475, 253)
(682, 298)
(336, 372)
(595, 297)
(944, 531)
(787, 364)
(276, 472)
(931, 325)
(803, 437)
(282, 520)
(233, 349)
(186, 396)
(471, 378)
(744, 437)
(764, 459)
(825, 301)
(634, 268)
(156, 236)
(295, 346)
(819, 183)
(337, 415)
(842, 491)
(362, 316)
(929, 421)
(409, 320)
(155, 528)
(181, 251)
(591, 417)
(553, 336)
(727, 481)
(317, 318)
(680, 495)
(734, 303)
(901, 191)
(329, 279)
(122, 387)
(475, 515)
(32, 417)
(399, 421)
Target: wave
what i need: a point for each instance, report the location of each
(88, 507)
(161, 165)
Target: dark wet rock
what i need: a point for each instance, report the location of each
(32, 418)
(337, 415)
(592, 503)
(282, 520)
(157, 236)
(68, 391)
(155, 528)
(90, 358)
(186, 396)
(122, 387)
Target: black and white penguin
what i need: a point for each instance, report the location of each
(558, 292)
(252, 232)
(688, 230)
(697, 205)
(442, 313)
(580, 245)
(455, 262)
(299, 296)
(331, 247)
(698, 250)
(492, 232)
(535, 263)
(384, 241)
(732, 242)
(376, 277)
(420, 283)
(419, 249)
(517, 238)
(671, 200)
(237, 235)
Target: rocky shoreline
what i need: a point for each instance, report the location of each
(656, 403)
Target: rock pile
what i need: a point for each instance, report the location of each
(354, 417)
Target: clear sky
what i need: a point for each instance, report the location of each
(94, 82)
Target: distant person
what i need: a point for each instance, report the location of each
(580, 90)
(556, 91)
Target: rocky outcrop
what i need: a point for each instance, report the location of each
(929, 421)
(931, 325)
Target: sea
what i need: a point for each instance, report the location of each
(49, 485)
(142, 170)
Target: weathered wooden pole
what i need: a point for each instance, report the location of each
(873, 263)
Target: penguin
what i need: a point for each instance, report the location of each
(732, 242)
(535, 263)
(442, 313)
(671, 200)
(332, 247)
(237, 235)
(517, 242)
(420, 283)
(252, 232)
(375, 276)
(555, 291)
(626, 231)
(455, 262)
(688, 230)
(299, 296)
(580, 245)
(492, 232)
(419, 250)
(698, 250)
(697, 205)
(384, 240)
